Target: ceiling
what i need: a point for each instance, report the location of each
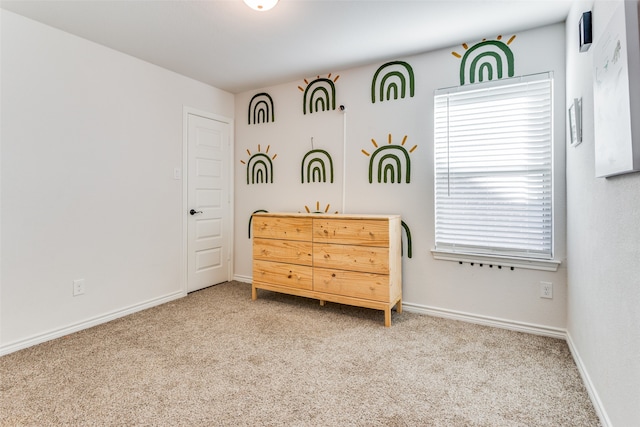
(227, 45)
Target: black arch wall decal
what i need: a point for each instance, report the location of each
(251, 218)
(316, 164)
(261, 109)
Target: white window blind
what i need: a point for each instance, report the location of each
(493, 168)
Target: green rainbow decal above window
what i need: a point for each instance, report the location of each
(259, 167)
(391, 80)
(316, 165)
(487, 60)
(319, 95)
(261, 109)
(389, 162)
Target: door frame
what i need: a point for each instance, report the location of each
(186, 111)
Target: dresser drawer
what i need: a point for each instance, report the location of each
(352, 284)
(368, 259)
(278, 273)
(350, 232)
(283, 227)
(289, 251)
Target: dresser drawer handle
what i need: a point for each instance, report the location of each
(327, 256)
(333, 275)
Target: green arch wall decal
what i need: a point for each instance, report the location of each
(261, 109)
(486, 60)
(405, 227)
(386, 170)
(319, 95)
(395, 81)
(259, 167)
(251, 218)
(315, 164)
(388, 161)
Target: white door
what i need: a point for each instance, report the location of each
(208, 203)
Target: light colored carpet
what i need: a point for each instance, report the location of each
(216, 358)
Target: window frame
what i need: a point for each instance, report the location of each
(488, 254)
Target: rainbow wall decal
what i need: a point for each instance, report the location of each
(391, 80)
(315, 165)
(251, 218)
(319, 95)
(407, 232)
(261, 109)
(259, 167)
(487, 60)
(389, 161)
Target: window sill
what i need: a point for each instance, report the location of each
(528, 263)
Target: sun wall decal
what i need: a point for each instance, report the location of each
(389, 160)
(259, 167)
(319, 94)
(317, 210)
(487, 60)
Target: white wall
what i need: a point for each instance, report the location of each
(90, 139)
(603, 235)
(443, 287)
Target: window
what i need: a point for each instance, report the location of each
(493, 168)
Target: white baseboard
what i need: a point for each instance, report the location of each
(486, 320)
(57, 333)
(245, 279)
(468, 317)
(586, 379)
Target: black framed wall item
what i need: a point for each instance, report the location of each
(585, 34)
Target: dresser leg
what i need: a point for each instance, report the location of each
(322, 303)
(399, 306)
(387, 317)
(254, 293)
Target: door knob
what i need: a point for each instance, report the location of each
(193, 212)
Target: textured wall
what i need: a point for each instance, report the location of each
(90, 138)
(603, 246)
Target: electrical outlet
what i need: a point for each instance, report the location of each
(78, 287)
(546, 290)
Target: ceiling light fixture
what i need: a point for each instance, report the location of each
(261, 5)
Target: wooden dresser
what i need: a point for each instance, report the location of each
(347, 259)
